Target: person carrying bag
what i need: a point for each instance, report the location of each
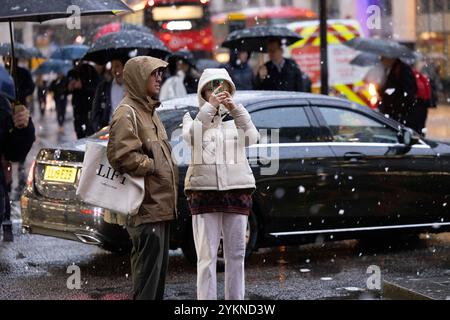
(144, 151)
(102, 186)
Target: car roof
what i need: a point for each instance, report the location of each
(247, 98)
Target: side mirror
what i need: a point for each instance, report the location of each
(408, 137)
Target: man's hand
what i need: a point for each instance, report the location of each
(21, 117)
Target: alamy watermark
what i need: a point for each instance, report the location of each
(226, 147)
(374, 18)
(73, 22)
(74, 280)
(374, 280)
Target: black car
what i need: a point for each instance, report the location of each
(325, 169)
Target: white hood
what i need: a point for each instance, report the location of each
(213, 74)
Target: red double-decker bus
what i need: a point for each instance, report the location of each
(181, 24)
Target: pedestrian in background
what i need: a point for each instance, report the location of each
(25, 89)
(240, 71)
(219, 192)
(144, 151)
(42, 89)
(186, 64)
(59, 89)
(16, 139)
(173, 86)
(399, 95)
(279, 73)
(108, 95)
(82, 84)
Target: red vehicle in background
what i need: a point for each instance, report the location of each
(181, 24)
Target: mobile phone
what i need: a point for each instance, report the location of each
(216, 84)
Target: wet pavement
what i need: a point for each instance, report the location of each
(35, 267)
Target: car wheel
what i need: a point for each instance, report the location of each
(251, 236)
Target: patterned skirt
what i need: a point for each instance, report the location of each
(230, 201)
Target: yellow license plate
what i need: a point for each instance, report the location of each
(60, 174)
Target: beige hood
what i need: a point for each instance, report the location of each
(135, 76)
(213, 74)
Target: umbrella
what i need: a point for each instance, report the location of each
(21, 51)
(70, 52)
(255, 38)
(184, 55)
(203, 64)
(42, 10)
(380, 47)
(126, 43)
(54, 66)
(116, 27)
(365, 59)
(6, 84)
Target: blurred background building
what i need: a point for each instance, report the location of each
(423, 24)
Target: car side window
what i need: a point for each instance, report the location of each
(350, 126)
(292, 123)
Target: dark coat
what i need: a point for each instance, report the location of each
(14, 144)
(398, 96)
(190, 82)
(101, 107)
(83, 98)
(59, 88)
(25, 85)
(291, 78)
(242, 75)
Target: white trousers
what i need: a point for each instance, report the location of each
(207, 230)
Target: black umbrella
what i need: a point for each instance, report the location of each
(116, 27)
(365, 59)
(203, 64)
(184, 55)
(42, 10)
(380, 47)
(70, 52)
(255, 38)
(21, 51)
(126, 43)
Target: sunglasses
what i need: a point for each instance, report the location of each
(158, 72)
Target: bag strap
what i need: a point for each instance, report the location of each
(134, 117)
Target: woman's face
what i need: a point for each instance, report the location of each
(207, 92)
(209, 88)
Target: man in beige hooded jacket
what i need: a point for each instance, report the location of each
(144, 151)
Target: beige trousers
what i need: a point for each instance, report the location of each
(208, 229)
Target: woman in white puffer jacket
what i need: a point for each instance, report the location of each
(219, 183)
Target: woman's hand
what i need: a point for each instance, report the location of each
(228, 102)
(217, 98)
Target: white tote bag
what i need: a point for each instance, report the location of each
(100, 185)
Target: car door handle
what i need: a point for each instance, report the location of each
(354, 156)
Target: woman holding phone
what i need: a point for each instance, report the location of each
(219, 183)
